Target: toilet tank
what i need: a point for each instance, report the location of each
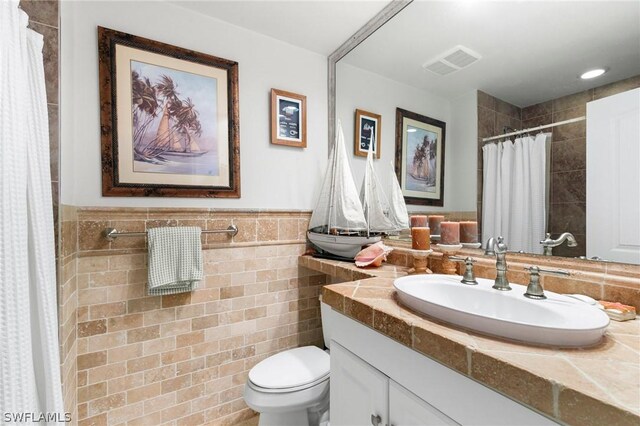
(326, 315)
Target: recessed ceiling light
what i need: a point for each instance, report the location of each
(593, 73)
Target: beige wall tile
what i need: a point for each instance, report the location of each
(107, 310)
(94, 391)
(190, 366)
(143, 363)
(106, 372)
(159, 374)
(184, 357)
(142, 393)
(144, 304)
(176, 411)
(176, 383)
(125, 322)
(91, 360)
(267, 229)
(142, 334)
(106, 403)
(120, 415)
(91, 328)
(159, 345)
(247, 230)
(177, 355)
(124, 353)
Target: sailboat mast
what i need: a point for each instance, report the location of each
(366, 192)
(334, 160)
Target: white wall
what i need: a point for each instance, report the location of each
(463, 152)
(271, 176)
(361, 89)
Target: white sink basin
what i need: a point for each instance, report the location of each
(557, 321)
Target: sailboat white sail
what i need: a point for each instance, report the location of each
(398, 209)
(338, 224)
(374, 201)
(338, 207)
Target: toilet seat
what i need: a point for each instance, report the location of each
(292, 387)
(291, 370)
(287, 390)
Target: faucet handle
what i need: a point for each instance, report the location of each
(469, 277)
(534, 289)
(501, 247)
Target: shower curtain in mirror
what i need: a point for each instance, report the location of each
(29, 355)
(514, 192)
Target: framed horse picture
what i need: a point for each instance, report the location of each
(420, 145)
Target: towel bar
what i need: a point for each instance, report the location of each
(111, 233)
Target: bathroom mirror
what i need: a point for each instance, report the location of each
(488, 68)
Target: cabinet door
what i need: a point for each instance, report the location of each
(406, 409)
(359, 392)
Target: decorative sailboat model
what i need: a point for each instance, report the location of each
(342, 223)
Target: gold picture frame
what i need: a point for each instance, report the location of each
(367, 124)
(288, 119)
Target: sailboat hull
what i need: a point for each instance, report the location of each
(341, 245)
(184, 154)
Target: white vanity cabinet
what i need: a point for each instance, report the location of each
(362, 395)
(406, 409)
(358, 391)
(378, 381)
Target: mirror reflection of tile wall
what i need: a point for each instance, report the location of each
(567, 210)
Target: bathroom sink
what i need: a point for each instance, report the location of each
(556, 321)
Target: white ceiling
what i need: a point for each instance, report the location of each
(531, 51)
(317, 25)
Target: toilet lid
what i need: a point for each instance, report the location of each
(291, 368)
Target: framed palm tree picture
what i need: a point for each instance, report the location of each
(420, 158)
(169, 120)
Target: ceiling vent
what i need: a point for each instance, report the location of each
(452, 60)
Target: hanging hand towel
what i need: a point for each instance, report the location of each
(175, 260)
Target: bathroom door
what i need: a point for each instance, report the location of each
(613, 177)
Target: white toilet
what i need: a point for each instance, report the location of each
(291, 388)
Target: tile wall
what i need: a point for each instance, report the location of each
(493, 115)
(184, 359)
(44, 19)
(568, 159)
(68, 307)
(567, 210)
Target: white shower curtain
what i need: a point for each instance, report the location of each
(514, 192)
(29, 354)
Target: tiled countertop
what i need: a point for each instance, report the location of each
(593, 386)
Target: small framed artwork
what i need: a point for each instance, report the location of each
(420, 158)
(367, 125)
(288, 119)
(169, 120)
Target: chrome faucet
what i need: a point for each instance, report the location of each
(534, 289)
(501, 283)
(548, 244)
(490, 248)
(469, 277)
